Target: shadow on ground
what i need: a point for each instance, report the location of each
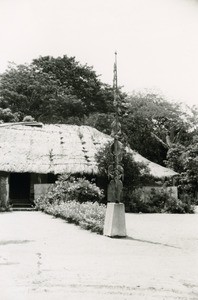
(150, 242)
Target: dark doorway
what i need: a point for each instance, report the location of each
(20, 189)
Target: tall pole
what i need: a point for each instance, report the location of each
(116, 169)
(115, 225)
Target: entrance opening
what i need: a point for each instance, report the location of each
(20, 189)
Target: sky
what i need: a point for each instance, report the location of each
(156, 40)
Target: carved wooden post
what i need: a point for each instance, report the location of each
(115, 215)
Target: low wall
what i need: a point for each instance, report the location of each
(173, 190)
(41, 189)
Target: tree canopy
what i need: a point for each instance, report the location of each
(151, 124)
(154, 124)
(54, 90)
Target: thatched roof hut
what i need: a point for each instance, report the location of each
(33, 153)
(44, 149)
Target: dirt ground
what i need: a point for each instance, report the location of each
(45, 258)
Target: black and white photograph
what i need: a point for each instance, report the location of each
(99, 149)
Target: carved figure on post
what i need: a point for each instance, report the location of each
(115, 171)
(115, 225)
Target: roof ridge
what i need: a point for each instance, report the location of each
(33, 124)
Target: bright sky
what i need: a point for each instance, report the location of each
(156, 40)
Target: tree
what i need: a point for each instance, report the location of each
(80, 79)
(154, 124)
(190, 165)
(100, 121)
(174, 157)
(54, 90)
(28, 91)
(185, 161)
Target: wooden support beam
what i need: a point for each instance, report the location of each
(4, 191)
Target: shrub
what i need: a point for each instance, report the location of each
(133, 201)
(68, 188)
(75, 200)
(83, 190)
(178, 206)
(87, 215)
(157, 201)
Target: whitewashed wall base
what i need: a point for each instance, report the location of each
(115, 225)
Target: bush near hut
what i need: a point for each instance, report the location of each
(68, 188)
(76, 201)
(158, 201)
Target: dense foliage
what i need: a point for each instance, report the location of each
(76, 201)
(54, 90)
(151, 124)
(69, 188)
(157, 201)
(154, 124)
(185, 161)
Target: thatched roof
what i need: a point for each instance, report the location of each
(155, 169)
(37, 148)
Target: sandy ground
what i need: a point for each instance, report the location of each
(45, 258)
